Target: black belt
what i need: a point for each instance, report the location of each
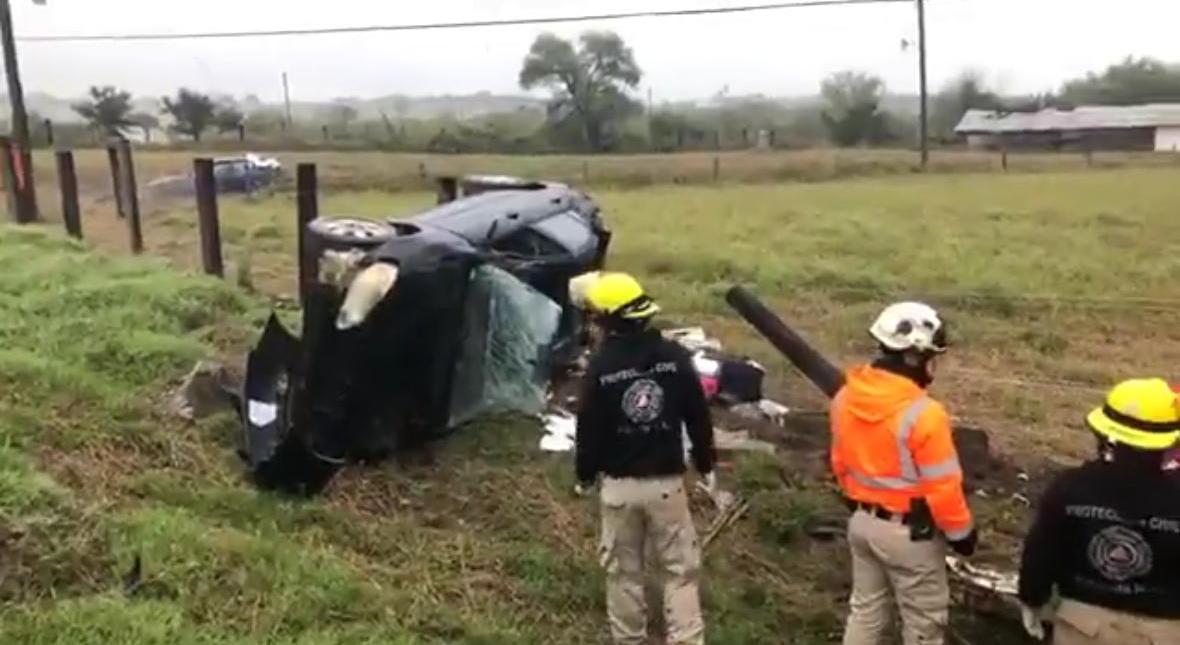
(876, 510)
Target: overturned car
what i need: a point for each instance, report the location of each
(415, 326)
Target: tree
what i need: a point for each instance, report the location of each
(967, 91)
(108, 109)
(852, 115)
(1133, 81)
(342, 114)
(146, 122)
(265, 121)
(227, 117)
(589, 84)
(192, 112)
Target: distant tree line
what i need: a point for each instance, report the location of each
(592, 109)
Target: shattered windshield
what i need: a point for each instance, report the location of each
(509, 329)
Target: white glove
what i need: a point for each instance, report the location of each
(710, 481)
(1031, 617)
(582, 489)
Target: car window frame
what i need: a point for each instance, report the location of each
(578, 220)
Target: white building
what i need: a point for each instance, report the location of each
(1132, 127)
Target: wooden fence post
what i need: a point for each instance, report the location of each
(130, 195)
(307, 209)
(716, 168)
(20, 171)
(67, 180)
(1004, 159)
(448, 189)
(210, 229)
(116, 188)
(49, 131)
(241, 132)
(8, 177)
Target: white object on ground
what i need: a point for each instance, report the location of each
(706, 366)
(560, 432)
(693, 338)
(998, 582)
(262, 413)
(765, 409)
(740, 440)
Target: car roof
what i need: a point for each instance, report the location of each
(471, 217)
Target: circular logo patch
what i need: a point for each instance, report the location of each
(1119, 554)
(643, 402)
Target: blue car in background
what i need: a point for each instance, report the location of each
(245, 174)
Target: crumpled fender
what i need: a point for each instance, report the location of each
(269, 370)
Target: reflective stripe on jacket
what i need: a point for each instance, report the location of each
(892, 443)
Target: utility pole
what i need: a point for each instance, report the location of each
(287, 99)
(651, 134)
(925, 143)
(22, 158)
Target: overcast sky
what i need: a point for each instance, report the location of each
(1021, 45)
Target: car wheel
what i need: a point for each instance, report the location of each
(344, 233)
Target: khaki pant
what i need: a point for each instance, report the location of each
(641, 516)
(1078, 623)
(886, 566)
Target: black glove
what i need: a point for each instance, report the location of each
(966, 546)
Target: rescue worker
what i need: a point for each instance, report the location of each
(895, 461)
(641, 396)
(1107, 533)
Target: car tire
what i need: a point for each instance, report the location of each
(344, 233)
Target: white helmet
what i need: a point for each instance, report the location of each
(910, 325)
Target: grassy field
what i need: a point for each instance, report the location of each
(1056, 284)
(394, 172)
(485, 544)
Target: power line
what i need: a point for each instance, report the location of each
(705, 11)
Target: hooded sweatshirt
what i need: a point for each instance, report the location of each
(892, 443)
(641, 395)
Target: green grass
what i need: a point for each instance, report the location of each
(486, 544)
(1038, 273)
(1056, 284)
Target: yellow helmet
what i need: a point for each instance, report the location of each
(619, 294)
(1141, 413)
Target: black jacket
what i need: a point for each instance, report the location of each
(639, 392)
(1107, 534)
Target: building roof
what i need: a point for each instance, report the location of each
(1085, 117)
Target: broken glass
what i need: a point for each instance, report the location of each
(508, 333)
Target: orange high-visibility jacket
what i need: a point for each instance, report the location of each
(892, 443)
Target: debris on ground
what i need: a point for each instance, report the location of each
(732, 511)
(740, 441)
(984, 589)
(764, 409)
(560, 431)
(694, 339)
(207, 390)
(734, 383)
